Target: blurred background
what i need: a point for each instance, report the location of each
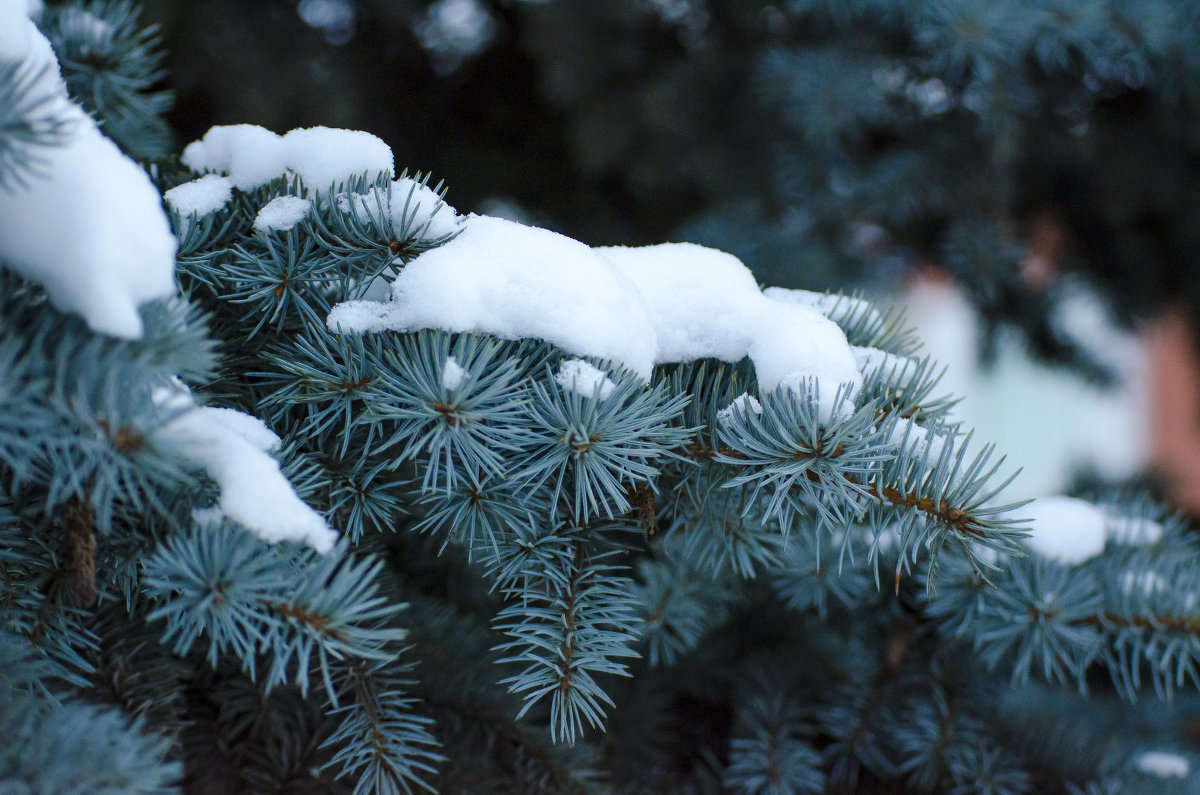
(1024, 176)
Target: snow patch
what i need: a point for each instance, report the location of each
(1162, 764)
(88, 224)
(1133, 530)
(231, 447)
(200, 196)
(920, 441)
(322, 157)
(741, 404)
(414, 208)
(838, 308)
(895, 368)
(282, 213)
(1065, 529)
(584, 378)
(637, 306)
(453, 373)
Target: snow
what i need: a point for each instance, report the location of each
(895, 368)
(1163, 764)
(1133, 530)
(323, 157)
(1065, 529)
(200, 196)
(232, 448)
(636, 306)
(414, 208)
(88, 224)
(515, 281)
(81, 24)
(422, 204)
(281, 214)
(584, 378)
(920, 441)
(741, 404)
(453, 373)
(838, 308)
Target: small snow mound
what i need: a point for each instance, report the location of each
(251, 156)
(1163, 764)
(231, 447)
(741, 404)
(873, 360)
(201, 196)
(431, 217)
(453, 373)
(1065, 529)
(584, 378)
(247, 426)
(282, 213)
(838, 308)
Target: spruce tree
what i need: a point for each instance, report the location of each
(311, 484)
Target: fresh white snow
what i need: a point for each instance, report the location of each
(636, 306)
(322, 156)
(88, 224)
(741, 404)
(924, 445)
(1064, 529)
(232, 448)
(200, 196)
(431, 217)
(898, 369)
(282, 213)
(1163, 764)
(453, 373)
(838, 308)
(584, 378)
(413, 207)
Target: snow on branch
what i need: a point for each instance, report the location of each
(232, 447)
(638, 306)
(88, 224)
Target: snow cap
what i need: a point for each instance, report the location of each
(636, 306)
(1065, 529)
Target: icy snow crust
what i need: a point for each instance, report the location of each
(637, 306)
(322, 156)
(118, 251)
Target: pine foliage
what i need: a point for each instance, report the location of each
(537, 590)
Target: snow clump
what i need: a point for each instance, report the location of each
(742, 404)
(87, 223)
(1065, 529)
(322, 157)
(233, 448)
(637, 306)
(414, 208)
(584, 378)
(201, 196)
(1163, 764)
(453, 373)
(282, 213)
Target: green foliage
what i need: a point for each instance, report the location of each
(538, 590)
